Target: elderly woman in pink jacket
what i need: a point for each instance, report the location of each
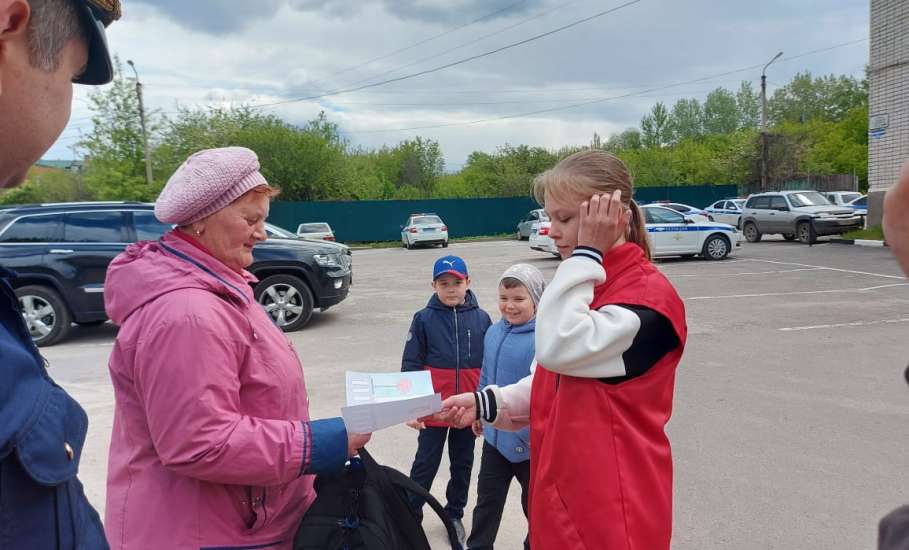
(212, 443)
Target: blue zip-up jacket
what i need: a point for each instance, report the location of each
(508, 352)
(448, 342)
(42, 430)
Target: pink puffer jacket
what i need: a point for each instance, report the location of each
(212, 444)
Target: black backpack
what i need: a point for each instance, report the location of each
(366, 508)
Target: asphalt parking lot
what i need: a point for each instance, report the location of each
(791, 419)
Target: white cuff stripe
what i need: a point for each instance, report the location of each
(587, 253)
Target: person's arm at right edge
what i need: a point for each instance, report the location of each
(896, 219)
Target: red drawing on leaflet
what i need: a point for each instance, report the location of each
(405, 385)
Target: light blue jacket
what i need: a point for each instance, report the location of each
(507, 353)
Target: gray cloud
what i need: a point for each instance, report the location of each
(230, 16)
(216, 16)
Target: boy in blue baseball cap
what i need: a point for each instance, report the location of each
(446, 338)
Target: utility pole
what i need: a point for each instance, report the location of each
(148, 170)
(764, 152)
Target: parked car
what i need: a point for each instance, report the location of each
(275, 232)
(316, 230)
(860, 205)
(424, 229)
(686, 210)
(540, 240)
(61, 253)
(727, 211)
(525, 226)
(673, 234)
(801, 215)
(841, 198)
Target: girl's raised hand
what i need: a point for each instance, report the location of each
(602, 221)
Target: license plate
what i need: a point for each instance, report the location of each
(429, 230)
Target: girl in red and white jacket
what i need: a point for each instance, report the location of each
(610, 334)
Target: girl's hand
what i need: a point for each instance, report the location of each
(603, 220)
(459, 410)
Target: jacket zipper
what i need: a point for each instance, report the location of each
(457, 352)
(468, 348)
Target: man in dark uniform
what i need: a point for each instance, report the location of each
(45, 47)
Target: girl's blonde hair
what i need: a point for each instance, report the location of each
(593, 172)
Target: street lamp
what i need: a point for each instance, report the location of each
(148, 171)
(764, 153)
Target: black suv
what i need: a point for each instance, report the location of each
(61, 253)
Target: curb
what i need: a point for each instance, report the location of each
(860, 242)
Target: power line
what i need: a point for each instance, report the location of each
(470, 43)
(453, 63)
(424, 41)
(604, 99)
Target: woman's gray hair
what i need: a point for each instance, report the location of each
(52, 24)
(530, 277)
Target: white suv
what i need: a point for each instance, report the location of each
(424, 229)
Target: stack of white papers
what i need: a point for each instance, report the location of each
(382, 400)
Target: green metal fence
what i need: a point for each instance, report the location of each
(357, 221)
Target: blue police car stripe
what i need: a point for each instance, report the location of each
(681, 228)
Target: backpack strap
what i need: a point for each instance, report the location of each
(388, 478)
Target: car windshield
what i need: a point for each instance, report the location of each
(278, 232)
(314, 228)
(849, 197)
(426, 220)
(811, 198)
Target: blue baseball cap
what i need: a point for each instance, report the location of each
(449, 264)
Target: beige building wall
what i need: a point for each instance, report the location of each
(888, 141)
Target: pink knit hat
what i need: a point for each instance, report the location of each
(207, 182)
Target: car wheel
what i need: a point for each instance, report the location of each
(287, 300)
(789, 236)
(45, 314)
(805, 233)
(716, 248)
(445, 244)
(752, 235)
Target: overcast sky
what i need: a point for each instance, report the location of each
(219, 52)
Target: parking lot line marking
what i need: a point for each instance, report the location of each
(852, 324)
(828, 268)
(714, 275)
(767, 294)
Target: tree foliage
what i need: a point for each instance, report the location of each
(819, 125)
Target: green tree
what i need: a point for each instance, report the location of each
(748, 103)
(687, 120)
(721, 115)
(807, 98)
(656, 130)
(114, 149)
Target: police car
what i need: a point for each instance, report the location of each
(672, 234)
(727, 211)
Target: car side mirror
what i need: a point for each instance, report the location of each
(688, 220)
